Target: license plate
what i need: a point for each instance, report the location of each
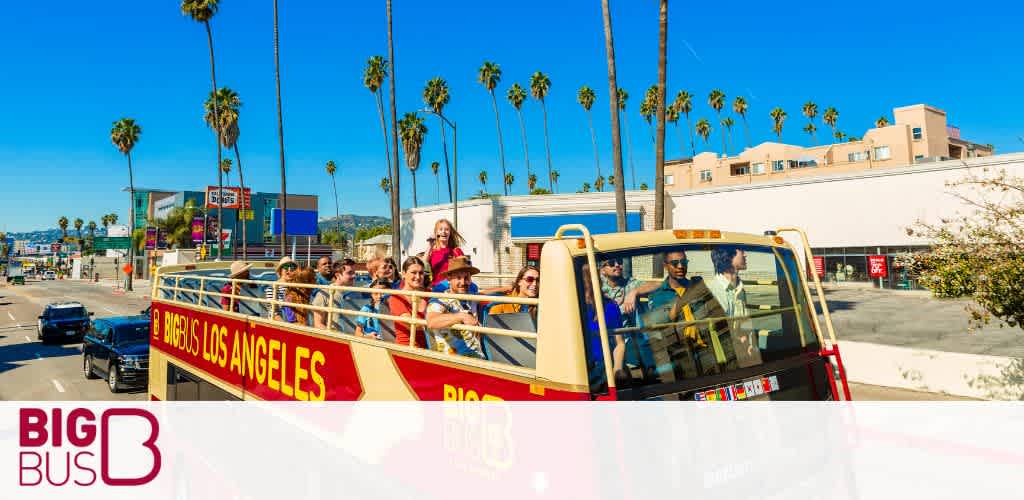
(70, 332)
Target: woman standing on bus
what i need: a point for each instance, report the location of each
(444, 248)
(412, 280)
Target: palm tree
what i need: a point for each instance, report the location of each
(643, 186)
(704, 129)
(648, 108)
(739, 106)
(226, 119)
(539, 86)
(124, 135)
(435, 96)
(881, 122)
(599, 183)
(225, 168)
(778, 117)
(659, 148)
(554, 179)
(727, 123)
(509, 179)
(283, 198)
(489, 76)
(331, 168)
(62, 222)
(623, 97)
(684, 104)
(831, 117)
(810, 110)
(531, 182)
(839, 136)
(105, 220)
(611, 180)
(385, 185)
(613, 106)
(202, 11)
(435, 167)
(585, 96)
(586, 187)
(482, 177)
(78, 227)
(516, 95)
(373, 79)
(91, 227)
(412, 132)
(396, 208)
(717, 101)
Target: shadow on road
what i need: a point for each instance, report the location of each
(1008, 385)
(11, 355)
(836, 305)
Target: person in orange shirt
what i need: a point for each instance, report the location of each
(527, 285)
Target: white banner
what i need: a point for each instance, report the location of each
(510, 450)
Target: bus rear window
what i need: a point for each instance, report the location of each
(676, 315)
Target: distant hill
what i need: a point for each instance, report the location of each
(51, 235)
(350, 223)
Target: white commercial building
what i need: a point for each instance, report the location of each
(847, 216)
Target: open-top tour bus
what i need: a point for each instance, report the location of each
(713, 316)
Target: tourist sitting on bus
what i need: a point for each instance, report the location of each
(399, 305)
(286, 269)
(387, 271)
(444, 248)
(443, 313)
(343, 274)
(527, 284)
(365, 325)
(592, 335)
(324, 270)
(617, 286)
(728, 290)
(296, 297)
(239, 271)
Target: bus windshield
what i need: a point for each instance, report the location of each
(687, 316)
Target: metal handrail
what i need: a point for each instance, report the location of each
(698, 322)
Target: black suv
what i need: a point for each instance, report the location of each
(63, 321)
(118, 349)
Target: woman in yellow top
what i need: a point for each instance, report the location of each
(526, 285)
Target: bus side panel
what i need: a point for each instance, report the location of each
(442, 381)
(157, 376)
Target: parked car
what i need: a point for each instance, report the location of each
(49, 275)
(117, 349)
(63, 321)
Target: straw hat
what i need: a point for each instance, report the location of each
(238, 267)
(460, 264)
(284, 260)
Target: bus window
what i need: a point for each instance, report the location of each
(182, 385)
(685, 317)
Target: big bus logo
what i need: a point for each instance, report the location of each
(59, 449)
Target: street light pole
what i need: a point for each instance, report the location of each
(455, 165)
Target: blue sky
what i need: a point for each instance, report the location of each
(72, 69)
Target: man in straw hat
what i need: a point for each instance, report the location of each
(239, 271)
(286, 270)
(442, 313)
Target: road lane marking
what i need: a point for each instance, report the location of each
(28, 339)
(111, 311)
(56, 384)
(9, 315)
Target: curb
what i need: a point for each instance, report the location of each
(958, 374)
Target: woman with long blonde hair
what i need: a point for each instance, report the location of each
(445, 247)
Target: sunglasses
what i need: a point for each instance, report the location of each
(612, 262)
(289, 267)
(531, 279)
(678, 262)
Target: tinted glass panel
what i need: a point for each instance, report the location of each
(66, 313)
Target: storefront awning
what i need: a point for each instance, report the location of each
(543, 227)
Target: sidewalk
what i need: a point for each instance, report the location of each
(913, 341)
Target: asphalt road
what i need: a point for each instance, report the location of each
(30, 370)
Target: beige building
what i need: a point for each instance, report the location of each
(373, 248)
(920, 134)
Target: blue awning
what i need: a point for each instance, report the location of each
(544, 226)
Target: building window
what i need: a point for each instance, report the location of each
(705, 176)
(778, 165)
(757, 168)
(858, 156)
(917, 133)
(918, 158)
(670, 180)
(742, 169)
(882, 153)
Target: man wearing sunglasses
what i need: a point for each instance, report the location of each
(617, 286)
(286, 270)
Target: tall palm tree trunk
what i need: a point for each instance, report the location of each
(501, 143)
(337, 206)
(724, 147)
(593, 140)
(415, 203)
(526, 149)
(547, 143)
(613, 93)
(216, 121)
(131, 224)
(444, 151)
(247, 207)
(629, 146)
(396, 242)
(689, 125)
(283, 199)
(659, 148)
(746, 130)
(437, 188)
(384, 130)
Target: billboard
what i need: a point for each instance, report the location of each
(197, 229)
(877, 267)
(299, 223)
(151, 238)
(229, 197)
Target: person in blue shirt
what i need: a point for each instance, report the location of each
(367, 326)
(592, 335)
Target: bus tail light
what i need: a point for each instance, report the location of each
(699, 233)
(580, 243)
(681, 234)
(778, 240)
(714, 233)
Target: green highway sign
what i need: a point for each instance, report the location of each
(111, 243)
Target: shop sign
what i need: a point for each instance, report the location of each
(533, 251)
(876, 266)
(819, 265)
